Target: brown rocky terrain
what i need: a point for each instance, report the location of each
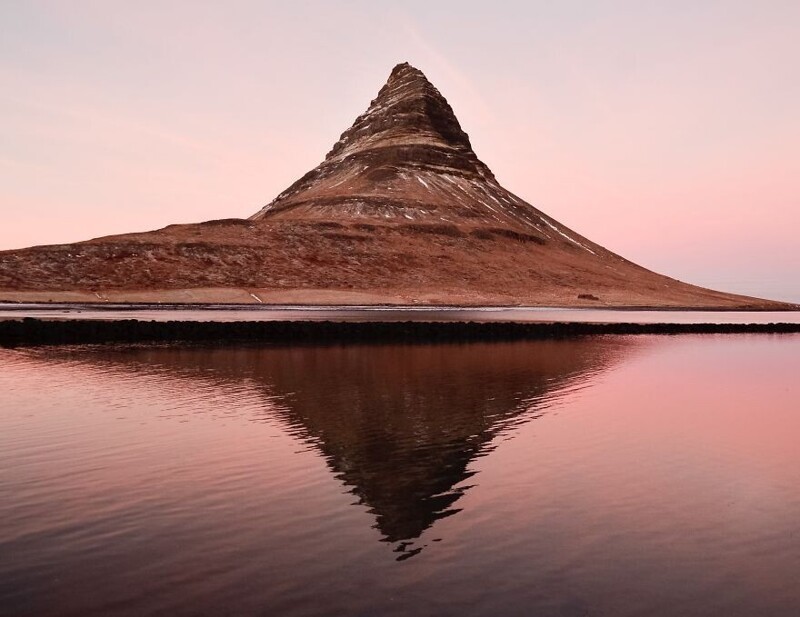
(401, 211)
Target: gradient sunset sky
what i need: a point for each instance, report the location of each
(668, 132)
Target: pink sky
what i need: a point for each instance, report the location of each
(667, 131)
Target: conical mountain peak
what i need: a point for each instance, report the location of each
(407, 71)
(405, 152)
(408, 110)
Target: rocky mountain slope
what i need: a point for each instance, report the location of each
(400, 211)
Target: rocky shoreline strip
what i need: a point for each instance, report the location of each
(31, 332)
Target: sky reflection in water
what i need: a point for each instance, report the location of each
(660, 477)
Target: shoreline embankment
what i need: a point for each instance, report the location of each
(30, 331)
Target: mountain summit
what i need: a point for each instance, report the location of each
(400, 211)
(408, 136)
(408, 110)
(407, 158)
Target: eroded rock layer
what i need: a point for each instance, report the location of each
(407, 159)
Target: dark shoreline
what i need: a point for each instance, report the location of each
(30, 332)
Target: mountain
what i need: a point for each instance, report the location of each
(400, 211)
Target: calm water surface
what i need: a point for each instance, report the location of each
(594, 476)
(222, 312)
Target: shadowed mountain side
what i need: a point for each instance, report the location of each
(401, 211)
(399, 425)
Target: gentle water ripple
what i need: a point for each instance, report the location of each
(228, 313)
(602, 475)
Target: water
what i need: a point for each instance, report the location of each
(223, 312)
(595, 476)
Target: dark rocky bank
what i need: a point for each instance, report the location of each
(29, 331)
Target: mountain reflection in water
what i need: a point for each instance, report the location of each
(397, 424)
(661, 478)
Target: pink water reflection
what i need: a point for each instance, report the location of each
(608, 475)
